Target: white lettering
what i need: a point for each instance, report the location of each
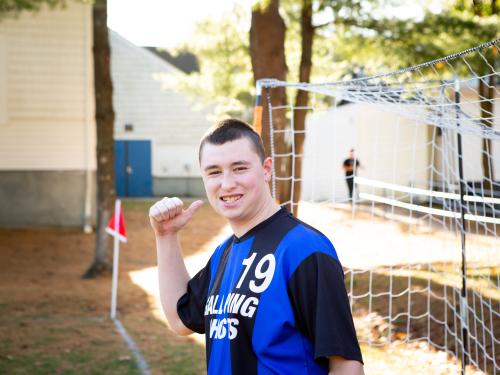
(247, 263)
(246, 309)
(222, 329)
(266, 276)
(228, 302)
(213, 310)
(235, 305)
(208, 306)
(233, 331)
(218, 328)
(221, 304)
(214, 327)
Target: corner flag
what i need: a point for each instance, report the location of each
(111, 227)
(116, 222)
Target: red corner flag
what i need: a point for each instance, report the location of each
(122, 235)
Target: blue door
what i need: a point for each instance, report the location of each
(133, 168)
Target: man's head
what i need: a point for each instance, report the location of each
(235, 172)
(229, 130)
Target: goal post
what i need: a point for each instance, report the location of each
(402, 172)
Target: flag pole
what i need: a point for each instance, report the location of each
(114, 283)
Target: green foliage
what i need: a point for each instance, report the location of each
(482, 8)
(260, 5)
(14, 6)
(352, 37)
(225, 80)
(389, 44)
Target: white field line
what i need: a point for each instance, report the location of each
(141, 362)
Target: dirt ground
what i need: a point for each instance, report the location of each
(54, 322)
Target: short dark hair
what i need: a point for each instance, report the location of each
(230, 130)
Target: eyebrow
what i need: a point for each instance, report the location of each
(236, 163)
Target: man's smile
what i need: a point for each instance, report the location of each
(231, 198)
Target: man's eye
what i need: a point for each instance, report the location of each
(213, 173)
(240, 169)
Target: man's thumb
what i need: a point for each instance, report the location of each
(194, 207)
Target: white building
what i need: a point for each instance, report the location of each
(47, 125)
(393, 146)
(148, 111)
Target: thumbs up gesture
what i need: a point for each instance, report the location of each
(168, 215)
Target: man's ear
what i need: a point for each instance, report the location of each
(268, 168)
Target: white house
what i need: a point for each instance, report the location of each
(148, 111)
(47, 130)
(47, 125)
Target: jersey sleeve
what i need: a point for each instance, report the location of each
(321, 307)
(191, 306)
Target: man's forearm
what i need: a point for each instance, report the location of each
(173, 278)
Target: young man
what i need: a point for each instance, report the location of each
(272, 299)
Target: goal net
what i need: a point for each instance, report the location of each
(418, 236)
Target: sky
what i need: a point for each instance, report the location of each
(163, 23)
(168, 23)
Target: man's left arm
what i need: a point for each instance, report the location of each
(341, 366)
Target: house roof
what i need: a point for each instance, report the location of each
(185, 61)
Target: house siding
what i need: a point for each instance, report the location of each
(172, 121)
(49, 101)
(47, 127)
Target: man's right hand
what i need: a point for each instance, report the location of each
(168, 216)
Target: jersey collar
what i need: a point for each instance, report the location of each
(281, 212)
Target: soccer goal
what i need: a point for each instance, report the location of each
(417, 226)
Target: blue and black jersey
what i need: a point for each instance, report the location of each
(272, 302)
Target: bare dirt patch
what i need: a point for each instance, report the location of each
(52, 321)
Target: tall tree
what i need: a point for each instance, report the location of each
(105, 119)
(487, 92)
(267, 52)
(307, 32)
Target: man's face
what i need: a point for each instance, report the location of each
(236, 181)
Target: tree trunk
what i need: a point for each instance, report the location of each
(478, 7)
(302, 97)
(486, 97)
(267, 51)
(105, 118)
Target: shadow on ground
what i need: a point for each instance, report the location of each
(427, 305)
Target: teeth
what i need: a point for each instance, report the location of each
(230, 199)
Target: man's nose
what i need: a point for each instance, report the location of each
(228, 182)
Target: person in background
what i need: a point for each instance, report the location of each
(350, 166)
